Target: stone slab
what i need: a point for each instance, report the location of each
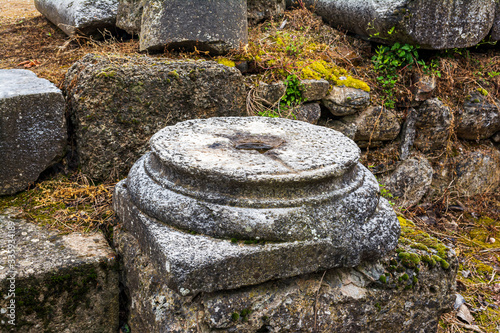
(32, 128)
(57, 283)
(87, 17)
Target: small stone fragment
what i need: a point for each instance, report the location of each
(345, 125)
(479, 118)
(309, 112)
(377, 124)
(410, 181)
(433, 125)
(424, 87)
(478, 172)
(314, 90)
(343, 101)
(496, 137)
(270, 94)
(408, 134)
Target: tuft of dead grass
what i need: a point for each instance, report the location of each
(65, 204)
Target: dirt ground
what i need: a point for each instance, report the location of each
(17, 9)
(28, 40)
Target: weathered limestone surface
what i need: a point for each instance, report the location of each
(296, 187)
(429, 23)
(117, 103)
(338, 300)
(63, 283)
(216, 26)
(32, 128)
(86, 17)
(129, 15)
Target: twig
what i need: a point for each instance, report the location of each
(315, 329)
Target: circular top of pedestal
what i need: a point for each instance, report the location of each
(253, 149)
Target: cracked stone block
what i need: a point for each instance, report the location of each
(57, 283)
(32, 128)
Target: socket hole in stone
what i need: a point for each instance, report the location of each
(261, 147)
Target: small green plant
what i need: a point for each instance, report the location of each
(269, 113)
(493, 74)
(293, 93)
(388, 61)
(385, 193)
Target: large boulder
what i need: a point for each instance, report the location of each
(429, 23)
(117, 103)
(32, 128)
(51, 282)
(479, 118)
(433, 125)
(215, 26)
(88, 17)
(129, 14)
